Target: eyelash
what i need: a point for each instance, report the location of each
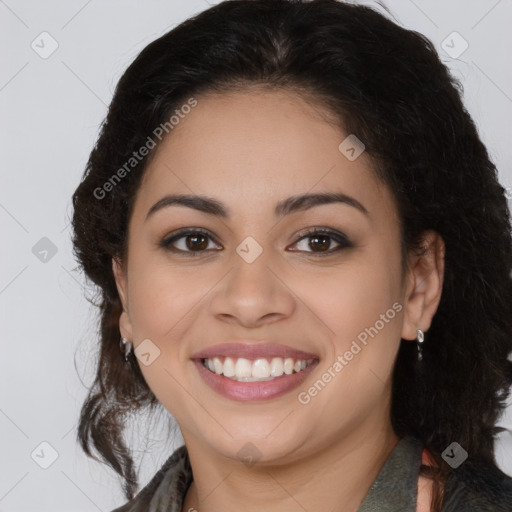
(339, 238)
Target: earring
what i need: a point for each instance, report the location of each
(420, 338)
(126, 347)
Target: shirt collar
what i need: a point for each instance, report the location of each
(394, 489)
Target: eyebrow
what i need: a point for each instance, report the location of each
(292, 204)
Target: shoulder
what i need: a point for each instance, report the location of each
(476, 487)
(167, 487)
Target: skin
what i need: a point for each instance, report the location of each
(250, 150)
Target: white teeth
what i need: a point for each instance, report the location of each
(243, 367)
(229, 367)
(260, 369)
(288, 366)
(276, 367)
(217, 365)
(245, 370)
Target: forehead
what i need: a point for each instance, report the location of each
(256, 147)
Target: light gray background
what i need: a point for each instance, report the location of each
(51, 109)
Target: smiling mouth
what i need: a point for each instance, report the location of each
(241, 369)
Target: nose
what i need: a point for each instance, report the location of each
(253, 294)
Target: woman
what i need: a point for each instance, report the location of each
(304, 248)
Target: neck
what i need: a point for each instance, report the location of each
(335, 478)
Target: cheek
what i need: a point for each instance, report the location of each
(367, 304)
(162, 301)
(354, 298)
(165, 302)
(361, 305)
(162, 297)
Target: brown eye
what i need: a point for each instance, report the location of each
(320, 241)
(187, 241)
(194, 242)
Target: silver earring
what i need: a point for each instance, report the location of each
(420, 338)
(126, 347)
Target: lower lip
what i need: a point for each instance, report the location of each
(253, 391)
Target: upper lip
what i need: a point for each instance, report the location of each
(252, 351)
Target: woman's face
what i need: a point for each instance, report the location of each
(253, 277)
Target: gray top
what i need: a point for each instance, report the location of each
(469, 489)
(395, 488)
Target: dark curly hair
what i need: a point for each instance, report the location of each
(387, 85)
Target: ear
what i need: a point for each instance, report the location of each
(424, 285)
(125, 325)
